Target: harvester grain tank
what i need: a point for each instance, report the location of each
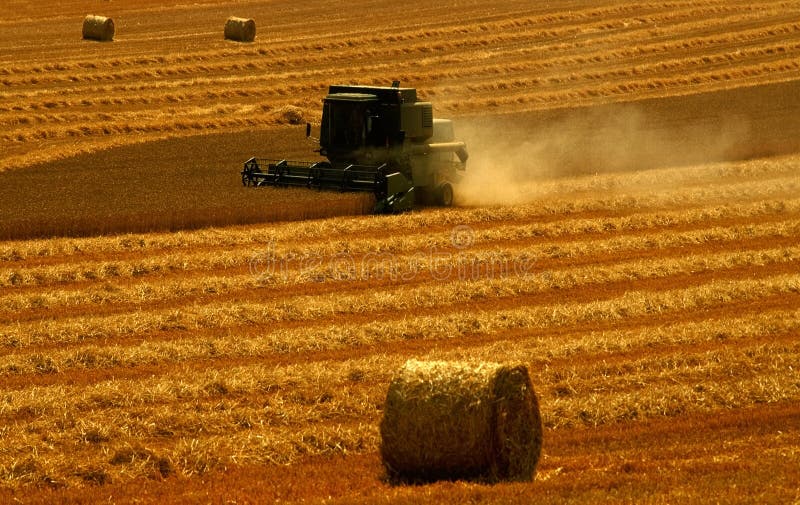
(376, 139)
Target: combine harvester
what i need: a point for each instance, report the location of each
(376, 139)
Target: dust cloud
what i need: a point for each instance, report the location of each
(516, 158)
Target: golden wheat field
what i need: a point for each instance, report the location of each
(629, 228)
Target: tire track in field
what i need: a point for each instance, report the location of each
(181, 289)
(685, 206)
(500, 294)
(123, 361)
(547, 234)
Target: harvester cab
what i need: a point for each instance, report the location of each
(376, 139)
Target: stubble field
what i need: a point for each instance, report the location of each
(630, 230)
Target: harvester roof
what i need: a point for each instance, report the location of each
(385, 94)
(352, 97)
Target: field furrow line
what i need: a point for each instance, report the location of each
(723, 54)
(460, 331)
(551, 343)
(269, 252)
(565, 26)
(685, 393)
(323, 270)
(169, 91)
(231, 433)
(757, 199)
(532, 77)
(200, 121)
(452, 293)
(85, 72)
(736, 25)
(486, 95)
(537, 350)
(347, 414)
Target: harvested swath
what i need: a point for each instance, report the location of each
(461, 420)
(98, 28)
(289, 114)
(240, 29)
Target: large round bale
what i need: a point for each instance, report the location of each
(240, 29)
(98, 28)
(458, 420)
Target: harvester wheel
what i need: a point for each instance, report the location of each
(245, 180)
(444, 194)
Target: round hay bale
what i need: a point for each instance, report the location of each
(98, 28)
(454, 420)
(240, 29)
